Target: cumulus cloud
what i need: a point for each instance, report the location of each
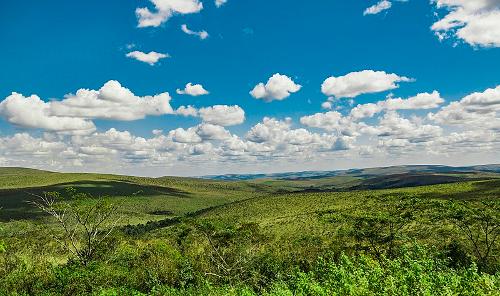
(330, 121)
(187, 111)
(327, 105)
(32, 112)
(333, 121)
(112, 101)
(209, 131)
(394, 127)
(268, 130)
(181, 135)
(278, 138)
(278, 87)
(222, 115)
(67, 146)
(271, 141)
(150, 58)
(164, 9)
(362, 82)
(201, 34)
(378, 8)
(479, 107)
(193, 90)
(475, 22)
(420, 101)
(74, 113)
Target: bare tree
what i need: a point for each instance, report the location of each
(231, 250)
(85, 221)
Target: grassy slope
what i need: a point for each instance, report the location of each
(140, 199)
(325, 214)
(300, 224)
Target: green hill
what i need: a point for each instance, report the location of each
(307, 236)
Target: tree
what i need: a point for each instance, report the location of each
(479, 223)
(382, 229)
(231, 250)
(85, 221)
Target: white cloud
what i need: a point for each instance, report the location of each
(278, 87)
(420, 101)
(365, 110)
(363, 82)
(480, 109)
(207, 147)
(331, 121)
(277, 138)
(476, 22)
(157, 132)
(219, 3)
(181, 135)
(377, 8)
(269, 130)
(32, 112)
(209, 131)
(273, 144)
(327, 105)
(201, 34)
(222, 115)
(150, 58)
(193, 90)
(393, 126)
(74, 113)
(187, 111)
(164, 10)
(112, 101)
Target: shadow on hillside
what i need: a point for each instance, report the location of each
(15, 203)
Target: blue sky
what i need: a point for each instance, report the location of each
(53, 48)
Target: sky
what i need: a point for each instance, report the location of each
(195, 87)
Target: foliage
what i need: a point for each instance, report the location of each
(197, 237)
(383, 228)
(85, 222)
(479, 222)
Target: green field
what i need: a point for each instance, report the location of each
(324, 236)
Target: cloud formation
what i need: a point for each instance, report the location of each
(222, 115)
(378, 7)
(75, 111)
(362, 82)
(475, 22)
(32, 112)
(192, 90)
(201, 34)
(278, 87)
(150, 58)
(164, 10)
(479, 109)
(70, 139)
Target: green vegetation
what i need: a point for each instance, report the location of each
(181, 236)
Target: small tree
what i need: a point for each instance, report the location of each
(382, 229)
(479, 223)
(85, 221)
(231, 250)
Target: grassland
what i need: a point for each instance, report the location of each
(281, 237)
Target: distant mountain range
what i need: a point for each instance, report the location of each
(363, 173)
